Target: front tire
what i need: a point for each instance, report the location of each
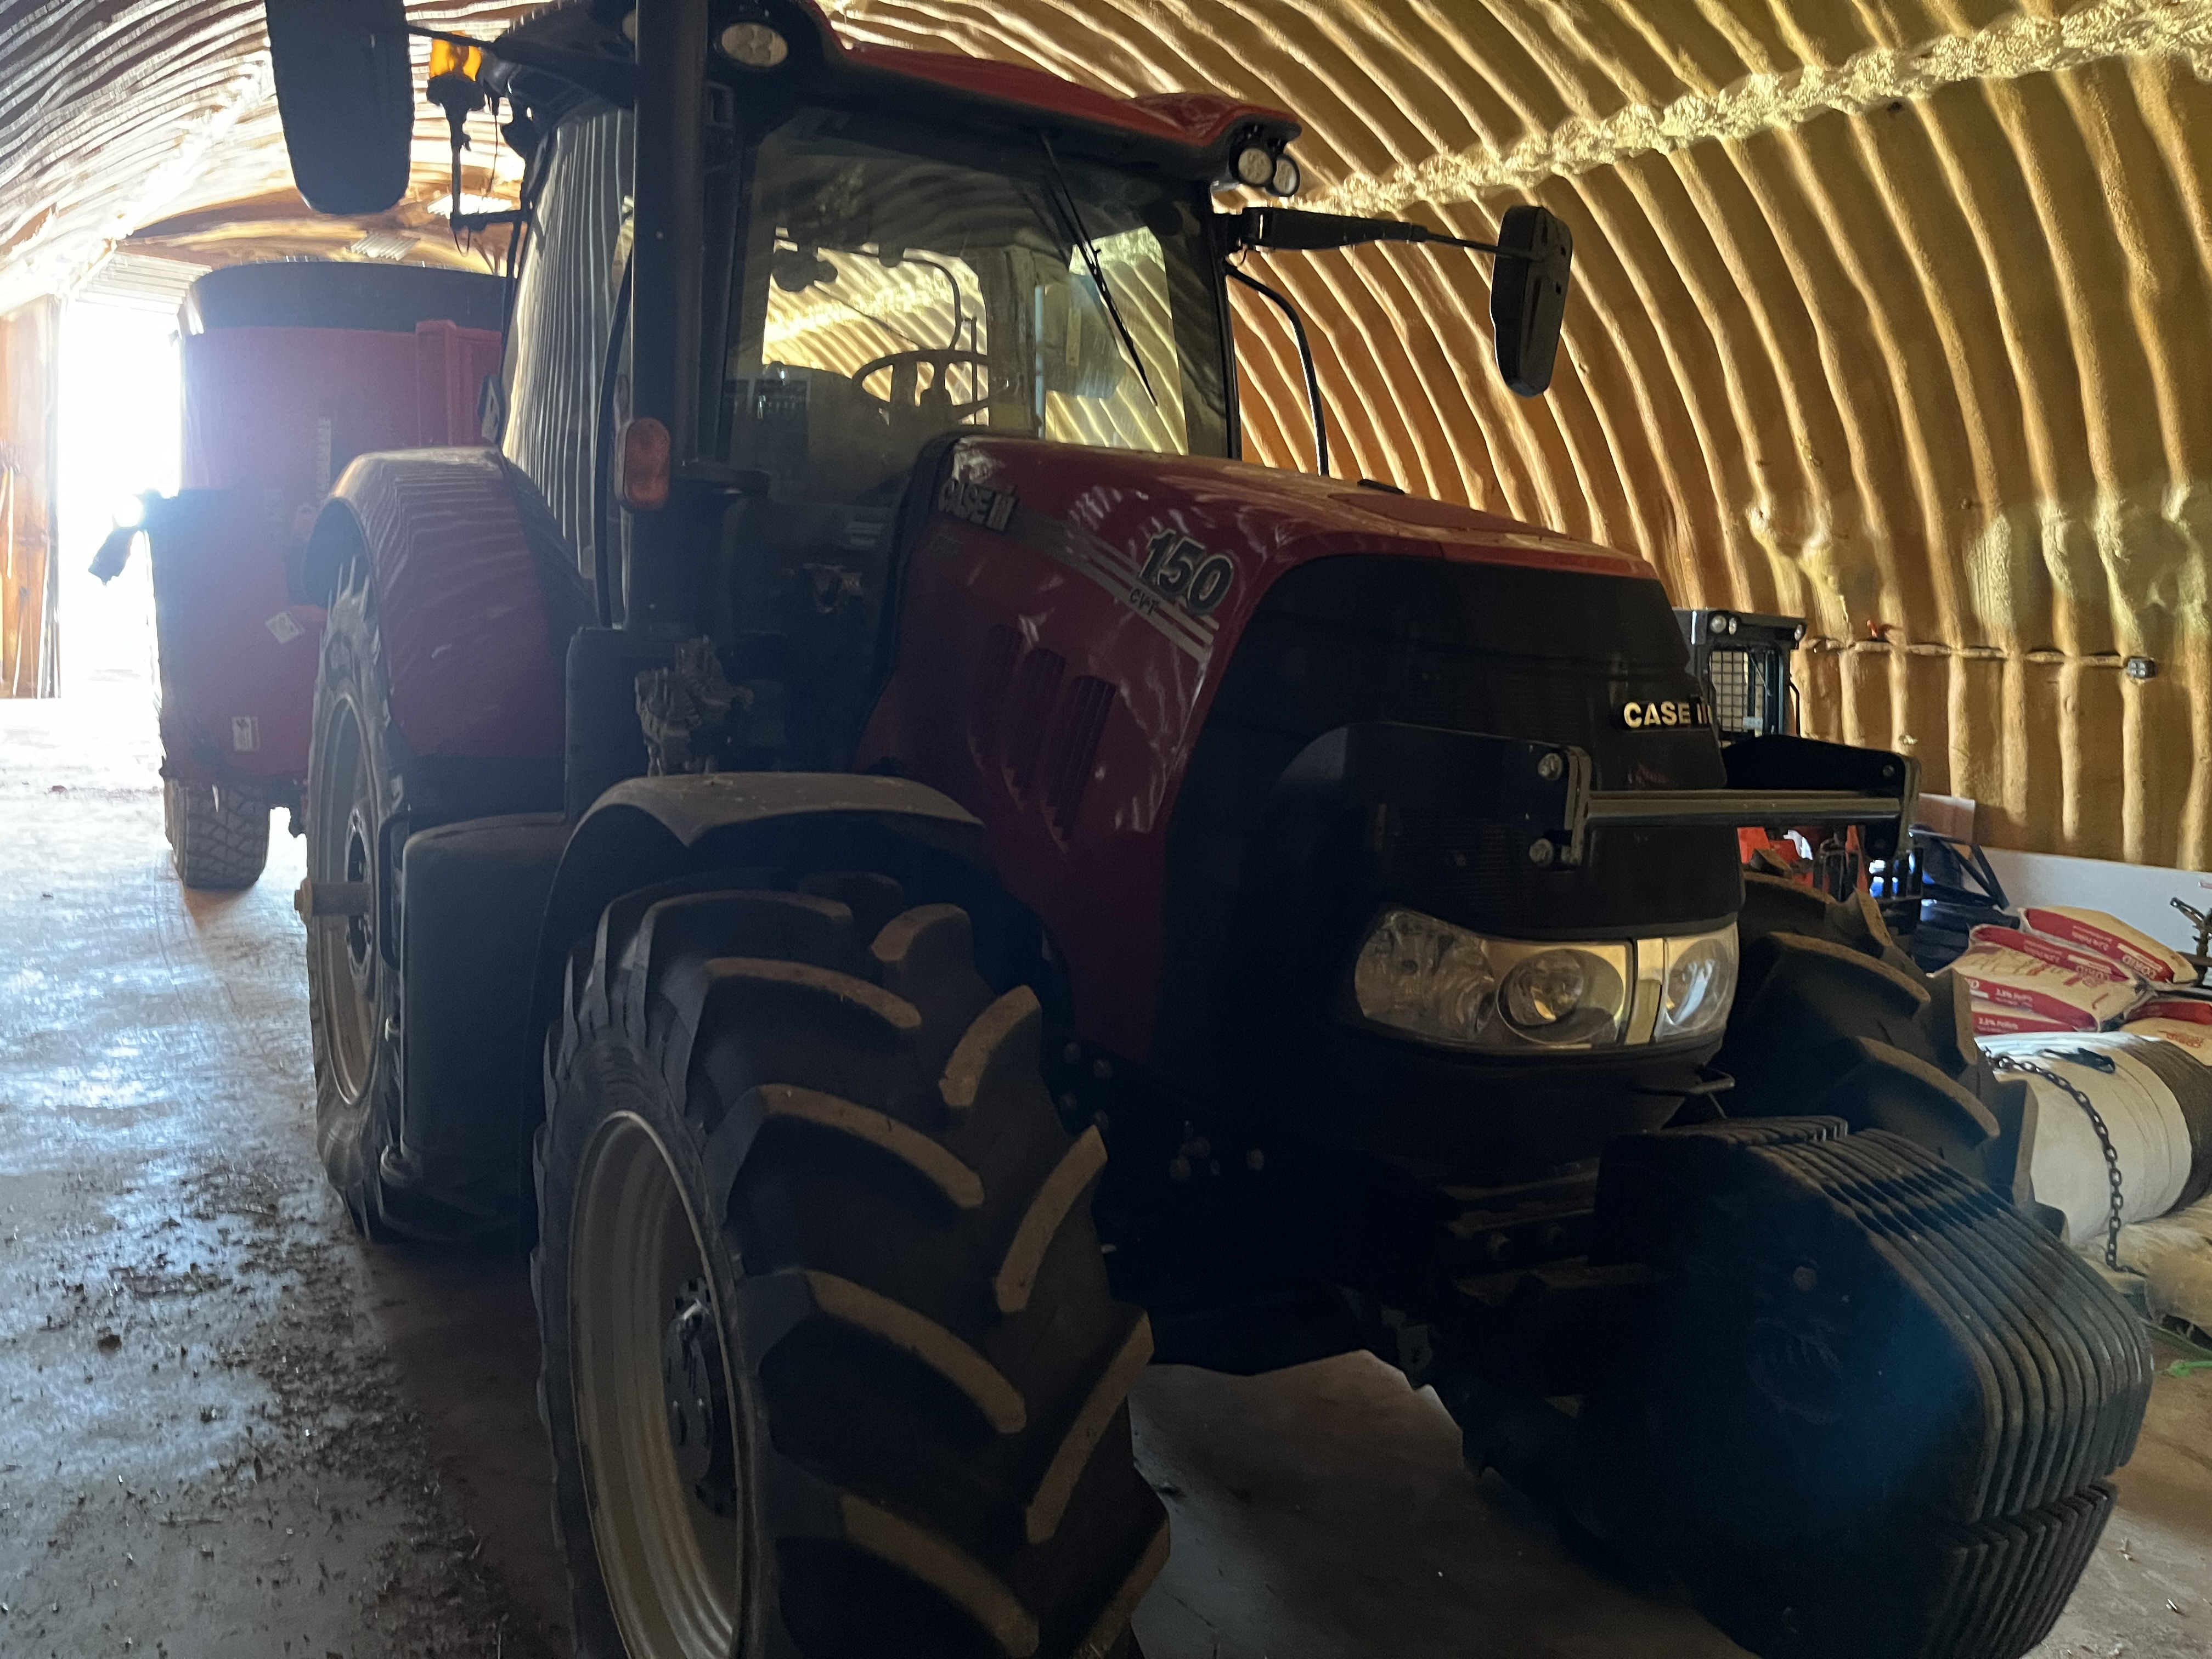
(831, 1367)
(216, 844)
(1832, 1019)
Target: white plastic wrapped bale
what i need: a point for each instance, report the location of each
(2183, 1034)
(2183, 1018)
(2156, 1103)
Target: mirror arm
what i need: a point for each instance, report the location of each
(1459, 241)
(1305, 359)
(1295, 229)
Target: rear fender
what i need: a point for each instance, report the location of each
(476, 596)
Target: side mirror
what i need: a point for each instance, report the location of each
(345, 91)
(1528, 296)
(133, 516)
(114, 552)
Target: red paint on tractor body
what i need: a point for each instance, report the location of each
(1053, 688)
(467, 645)
(271, 416)
(1198, 121)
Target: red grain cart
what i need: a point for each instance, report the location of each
(289, 370)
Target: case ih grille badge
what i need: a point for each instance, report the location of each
(1666, 712)
(1133, 580)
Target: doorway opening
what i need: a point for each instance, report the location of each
(120, 434)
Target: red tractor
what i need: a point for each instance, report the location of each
(864, 749)
(289, 370)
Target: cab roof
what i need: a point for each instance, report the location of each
(1185, 134)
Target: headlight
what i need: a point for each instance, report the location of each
(1699, 984)
(1443, 984)
(1565, 996)
(1254, 165)
(756, 46)
(1426, 976)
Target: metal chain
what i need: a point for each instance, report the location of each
(2013, 1063)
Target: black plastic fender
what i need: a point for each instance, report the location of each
(645, 831)
(473, 895)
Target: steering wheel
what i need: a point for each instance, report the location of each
(907, 390)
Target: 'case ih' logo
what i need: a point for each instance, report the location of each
(1679, 711)
(976, 503)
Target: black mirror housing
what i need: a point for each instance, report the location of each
(1529, 295)
(345, 91)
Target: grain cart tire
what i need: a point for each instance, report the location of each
(1832, 1019)
(217, 844)
(357, 803)
(831, 1368)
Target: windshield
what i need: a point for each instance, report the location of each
(888, 296)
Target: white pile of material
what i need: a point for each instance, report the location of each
(2174, 1256)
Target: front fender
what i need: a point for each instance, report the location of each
(646, 830)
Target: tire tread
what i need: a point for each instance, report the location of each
(878, 1149)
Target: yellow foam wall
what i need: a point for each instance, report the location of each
(1894, 314)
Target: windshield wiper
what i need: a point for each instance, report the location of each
(1070, 223)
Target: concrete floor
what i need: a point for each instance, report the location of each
(230, 1429)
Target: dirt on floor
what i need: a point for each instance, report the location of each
(208, 1447)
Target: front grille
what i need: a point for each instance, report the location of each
(1540, 654)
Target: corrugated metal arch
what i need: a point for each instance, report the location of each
(1889, 314)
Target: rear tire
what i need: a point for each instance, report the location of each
(215, 846)
(357, 786)
(831, 1366)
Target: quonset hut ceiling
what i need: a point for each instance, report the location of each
(1889, 313)
(154, 122)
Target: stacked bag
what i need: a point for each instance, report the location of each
(2066, 969)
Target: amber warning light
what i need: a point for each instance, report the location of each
(452, 58)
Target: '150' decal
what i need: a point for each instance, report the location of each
(1179, 569)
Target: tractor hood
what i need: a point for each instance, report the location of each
(1073, 624)
(1187, 546)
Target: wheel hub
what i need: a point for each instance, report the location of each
(698, 1401)
(658, 1405)
(342, 955)
(361, 938)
